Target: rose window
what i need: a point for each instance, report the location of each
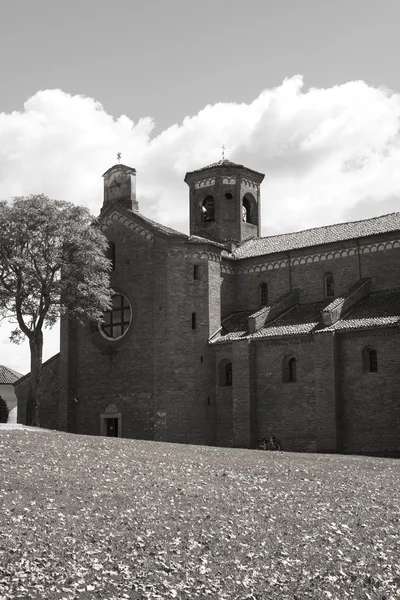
(117, 320)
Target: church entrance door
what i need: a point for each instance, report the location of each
(112, 427)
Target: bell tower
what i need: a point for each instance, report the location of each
(120, 187)
(225, 202)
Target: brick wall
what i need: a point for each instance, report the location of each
(370, 407)
(383, 267)
(326, 390)
(287, 410)
(228, 294)
(226, 211)
(333, 405)
(247, 288)
(121, 372)
(241, 394)
(189, 362)
(160, 375)
(309, 278)
(223, 398)
(218, 183)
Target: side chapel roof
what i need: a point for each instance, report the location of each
(379, 309)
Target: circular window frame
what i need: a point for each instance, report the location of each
(103, 334)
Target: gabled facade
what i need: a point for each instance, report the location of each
(224, 337)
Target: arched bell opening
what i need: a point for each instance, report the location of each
(208, 210)
(249, 209)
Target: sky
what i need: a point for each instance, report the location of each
(307, 92)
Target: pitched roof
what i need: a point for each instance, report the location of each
(236, 323)
(221, 163)
(225, 164)
(197, 239)
(300, 320)
(8, 375)
(379, 309)
(318, 236)
(157, 227)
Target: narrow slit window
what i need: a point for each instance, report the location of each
(370, 360)
(292, 370)
(329, 286)
(194, 320)
(263, 294)
(289, 369)
(228, 374)
(196, 271)
(373, 361)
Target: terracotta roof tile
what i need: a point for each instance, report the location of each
(226, 164)
(158, 227)
(318, 236)
(221, 163)
(379, 309)
(8, 375)
(302, 319)
(236, 322)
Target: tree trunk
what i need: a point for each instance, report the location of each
(35, 380)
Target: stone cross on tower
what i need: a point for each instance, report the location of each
(223, 152)
(119, 157)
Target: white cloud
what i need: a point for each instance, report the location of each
(328, 154)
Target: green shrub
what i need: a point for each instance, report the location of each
(4, 411)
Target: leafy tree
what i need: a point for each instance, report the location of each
(52, 262)
(4, 410)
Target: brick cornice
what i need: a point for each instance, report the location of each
(116, 217)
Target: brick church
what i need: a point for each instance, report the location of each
(224, 337)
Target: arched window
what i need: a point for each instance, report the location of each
(110, 254)
(249, 209)
(292, 369)
(225, 372)
(329, 285)
(207, 210)
(263, 294)
(116, 321)
(370, 360)
(289, 369)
